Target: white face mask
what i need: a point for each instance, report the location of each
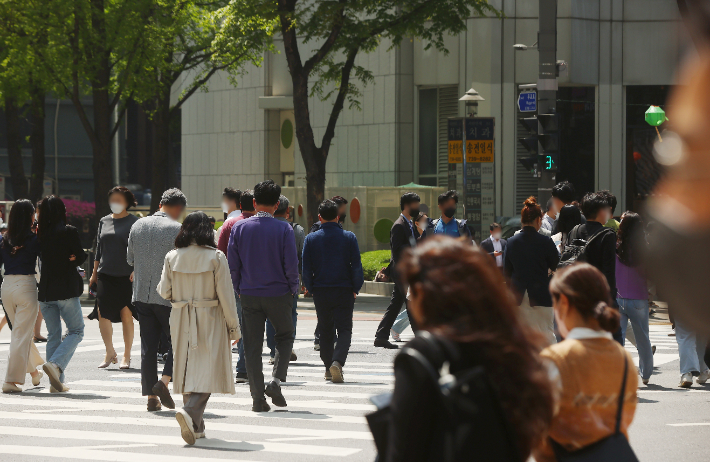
(225, 207)
(116, 207)
(497, 236)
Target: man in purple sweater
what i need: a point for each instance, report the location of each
(264, 265)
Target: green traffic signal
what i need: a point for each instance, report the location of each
(549, 163)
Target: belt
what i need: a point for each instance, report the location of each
(191, 305)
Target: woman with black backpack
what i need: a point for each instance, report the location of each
(499, 401)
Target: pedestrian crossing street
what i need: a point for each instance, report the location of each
(666, 346)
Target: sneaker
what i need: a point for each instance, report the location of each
(199, 435)
(187, 429)
(316, 346)
(64, 389)
(260, 406)
(686, 380)
(382, 343)
(271, 360)
(162, 392)
(336, 371)
(161, 360)
(645, 381)
(293, 356)
(328, 375)
(395, 335)
(53, 374)
(154, 405)
(273, 391)
(235, 350)
(242, 377)
(37, 378)
(703, 377)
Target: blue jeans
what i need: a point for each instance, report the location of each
(61, 351)
(270, 331)
(636, 311)
(402, 322)
(691, 348)
(241, 359)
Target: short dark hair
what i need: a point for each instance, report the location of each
(339, 200)
(172, 197)
(611, 199)
(232, 194)
(267, 193)
(408, 198)
(495, 226)
(246, 201)
(283, 206)
(564, 191)
(196, 228)
(443, 197)
(126, 193)
(212, 219)
(593, 203)
(328, 210)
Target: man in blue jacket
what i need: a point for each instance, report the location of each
(332, 272)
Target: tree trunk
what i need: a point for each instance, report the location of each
(14, 150)
(161, 151)
(37, 143)
(103, 180)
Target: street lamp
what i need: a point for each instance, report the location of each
(471, 98)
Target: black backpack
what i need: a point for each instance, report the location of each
(575, 250)
(470, 418)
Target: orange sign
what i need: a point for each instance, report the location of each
(456, 152)
(477, 151)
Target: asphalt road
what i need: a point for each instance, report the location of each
(103, 417)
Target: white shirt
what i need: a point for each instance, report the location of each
(497, 247)
(234, 214)
(581, 333)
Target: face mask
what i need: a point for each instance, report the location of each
(341, 219)
(497, 236)
(450, 212)
(225, 207)
(413, 212)
(116, 207)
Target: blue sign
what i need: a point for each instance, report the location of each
(527, 101)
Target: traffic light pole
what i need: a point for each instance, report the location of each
(546, 85)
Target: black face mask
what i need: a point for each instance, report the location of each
(341, 218)
(450, 212)
(414, 212)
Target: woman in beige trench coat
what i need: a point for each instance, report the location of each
(203, 320)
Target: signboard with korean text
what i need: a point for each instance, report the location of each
(455, 138)
(479, 139)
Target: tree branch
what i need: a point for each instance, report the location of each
(328, 44)
(339, 101)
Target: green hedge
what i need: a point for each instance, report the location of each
(374, 261)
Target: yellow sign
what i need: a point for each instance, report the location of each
(477, 151)
(456, 152)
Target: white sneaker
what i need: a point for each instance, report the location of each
(686, 380)
(703, 377)
(37, 378)
(395, 335)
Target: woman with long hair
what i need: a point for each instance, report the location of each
(60, 287)
(589, 364)
(19, 250)
(570, 216)
(113, 276)
(203, 320)
(632, 289)
(460, 299)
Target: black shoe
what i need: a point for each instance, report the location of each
(273, 391)
(153, 405)
(382, 343)
(260, 406)
(653, 349)
(161, 391)
(242, 377)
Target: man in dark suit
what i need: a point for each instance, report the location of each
(402, 235)
(495, 245)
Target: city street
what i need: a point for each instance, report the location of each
(103, 417)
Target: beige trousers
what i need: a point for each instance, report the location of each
(541, 318)
(19, 297)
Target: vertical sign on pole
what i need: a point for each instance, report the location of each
(455, 142)
(480, 184)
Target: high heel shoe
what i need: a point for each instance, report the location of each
(37, 378)
(124, 364)
(106, 363)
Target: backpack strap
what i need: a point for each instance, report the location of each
(622, 395)
(600, 233)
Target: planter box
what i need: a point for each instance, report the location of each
(378, 288)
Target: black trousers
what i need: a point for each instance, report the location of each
(334, 308)
(395, 306)
(155, 322)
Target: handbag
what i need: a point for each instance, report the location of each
(614, 448)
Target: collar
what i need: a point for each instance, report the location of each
(264, 215)
(234, 214)
(282, 219)
(582, 333)
(160, 213)
(331, 223)
(441, 220)
(405, 218)
(248, 214)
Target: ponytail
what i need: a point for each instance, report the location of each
(607, 317)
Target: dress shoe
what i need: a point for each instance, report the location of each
(336, 372)
(382, 343)
(242, 377)
(38, 376)
(162, 392)
(273, 391)
(39, 339)
(260, 405)
(10, 388)
(154, 405)
(108, 361)
(293, 356)
(328, 375)
(187, 429)
(125, 364)
(53, 374)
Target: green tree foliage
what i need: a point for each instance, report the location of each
(337, 31)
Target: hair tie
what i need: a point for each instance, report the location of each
(599, 309)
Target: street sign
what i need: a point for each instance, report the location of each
(527, 101)
(455, 139)
(479, 139)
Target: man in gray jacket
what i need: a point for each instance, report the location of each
(151, 238)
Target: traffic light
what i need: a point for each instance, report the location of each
(530, 143)
(549, 141)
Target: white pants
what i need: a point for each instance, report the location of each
(540, 318)
(19, 297)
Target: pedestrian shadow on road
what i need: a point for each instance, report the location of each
(78, 396)
(217, 444)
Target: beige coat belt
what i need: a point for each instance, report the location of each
(192, 315)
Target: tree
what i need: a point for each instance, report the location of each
(342, 29)
(183, 45)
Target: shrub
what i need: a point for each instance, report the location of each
(374, 261)
(79, 209)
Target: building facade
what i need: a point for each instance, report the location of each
(622, 56)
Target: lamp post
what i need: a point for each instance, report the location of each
(471, 99)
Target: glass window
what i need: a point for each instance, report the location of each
(577, 137)
(428, 140)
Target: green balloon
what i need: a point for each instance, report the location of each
(655, 116)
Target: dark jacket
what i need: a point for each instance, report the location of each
(60, 279)
(464, 230)
(401, 237)
(331, 258)
(601, 252)
(527, 258)
(487, 246)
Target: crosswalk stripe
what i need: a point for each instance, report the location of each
(273, 431)
(233, 445)
(78, 453)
